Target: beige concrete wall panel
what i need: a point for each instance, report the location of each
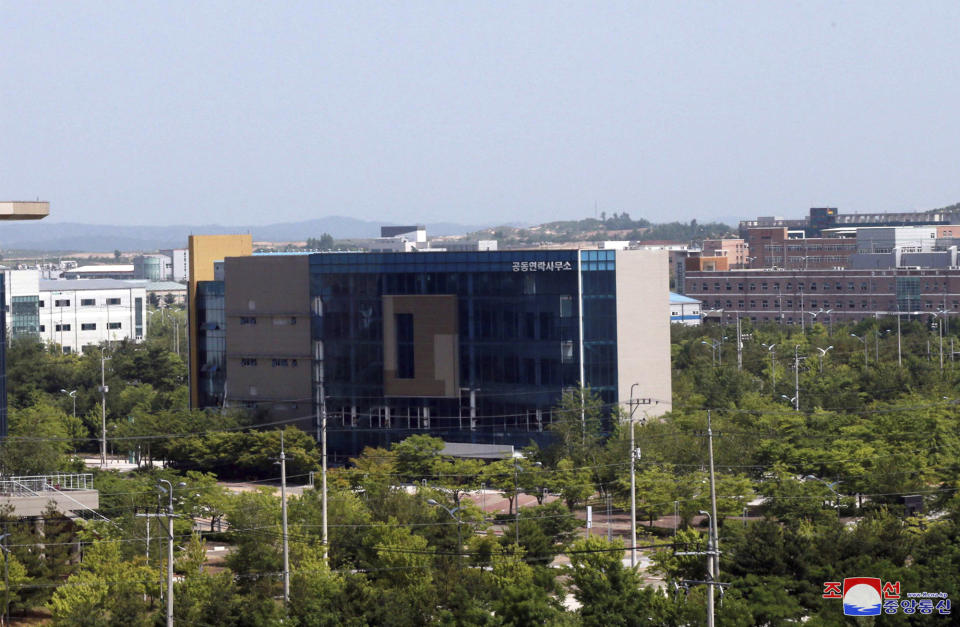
(436, 349)
(268, 318)
(274, 383)
(279, 284)
(266, 337)
(643, 327)
(24, 210)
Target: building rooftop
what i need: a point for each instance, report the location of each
(162, 286)
(680, 299)
(54, 285)
(120, 267)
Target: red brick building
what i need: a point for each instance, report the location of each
(844, 295)
(772, 248)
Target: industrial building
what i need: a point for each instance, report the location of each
(73, 313)
(179, 263)
(469, 346)
(685, 310)
(87, 312)
(822, 219)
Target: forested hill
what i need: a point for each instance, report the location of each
(612, 227)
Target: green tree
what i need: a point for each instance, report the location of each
(416, 456)
(106, 591)
(37, 441)
(571, 482)
(518, 599)
(255, 519)
(608, 592)
(577, 426)
(19, 581)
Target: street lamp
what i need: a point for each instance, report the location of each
(72, 394)
(939, 313)
(169, 492)
(864, 340)
(792, 399)
(712, 569)
(455, 514)
(823, 353)
(713, 351)
(103, 406)
(6, 578)
(796, 378)
(717, 346)
(773, 366)
(829, 485)
(516, 489)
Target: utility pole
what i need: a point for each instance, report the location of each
(103, 407)
(739, 345)
(323, 474)
(941, 318)
(148, 516)
(876, 345)
(609, 517)
(283, 510)
(713, 507)
(516, 492)
(321, 409)
(796, 378)
(169, 491)
(773, 368)
(634, 456)
(899, 354)
(6, 576)
(633, 487)
(803, 321)
(710, 576)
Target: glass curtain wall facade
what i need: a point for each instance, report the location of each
(518, 339)
(24, 316)
(211, 342)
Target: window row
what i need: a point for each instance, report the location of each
(278, 321)
(251, 362)
(84, 302)
(84, 326)
(764, 286)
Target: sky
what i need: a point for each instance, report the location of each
(476, 112)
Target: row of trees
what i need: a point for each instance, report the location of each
(828, 479)
(396, 559)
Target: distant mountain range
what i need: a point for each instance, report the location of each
(78, 237)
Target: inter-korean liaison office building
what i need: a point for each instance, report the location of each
(468, 346)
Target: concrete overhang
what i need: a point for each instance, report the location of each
(66, 501)
(24, 210)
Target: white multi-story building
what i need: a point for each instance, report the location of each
(21, 295)
(86, 312)
(180, 260)
(685, 310)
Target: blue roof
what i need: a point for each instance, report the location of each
(680, 299)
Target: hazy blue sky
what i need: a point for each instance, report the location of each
(257, 112)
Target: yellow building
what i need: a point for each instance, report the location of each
(205, 250)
